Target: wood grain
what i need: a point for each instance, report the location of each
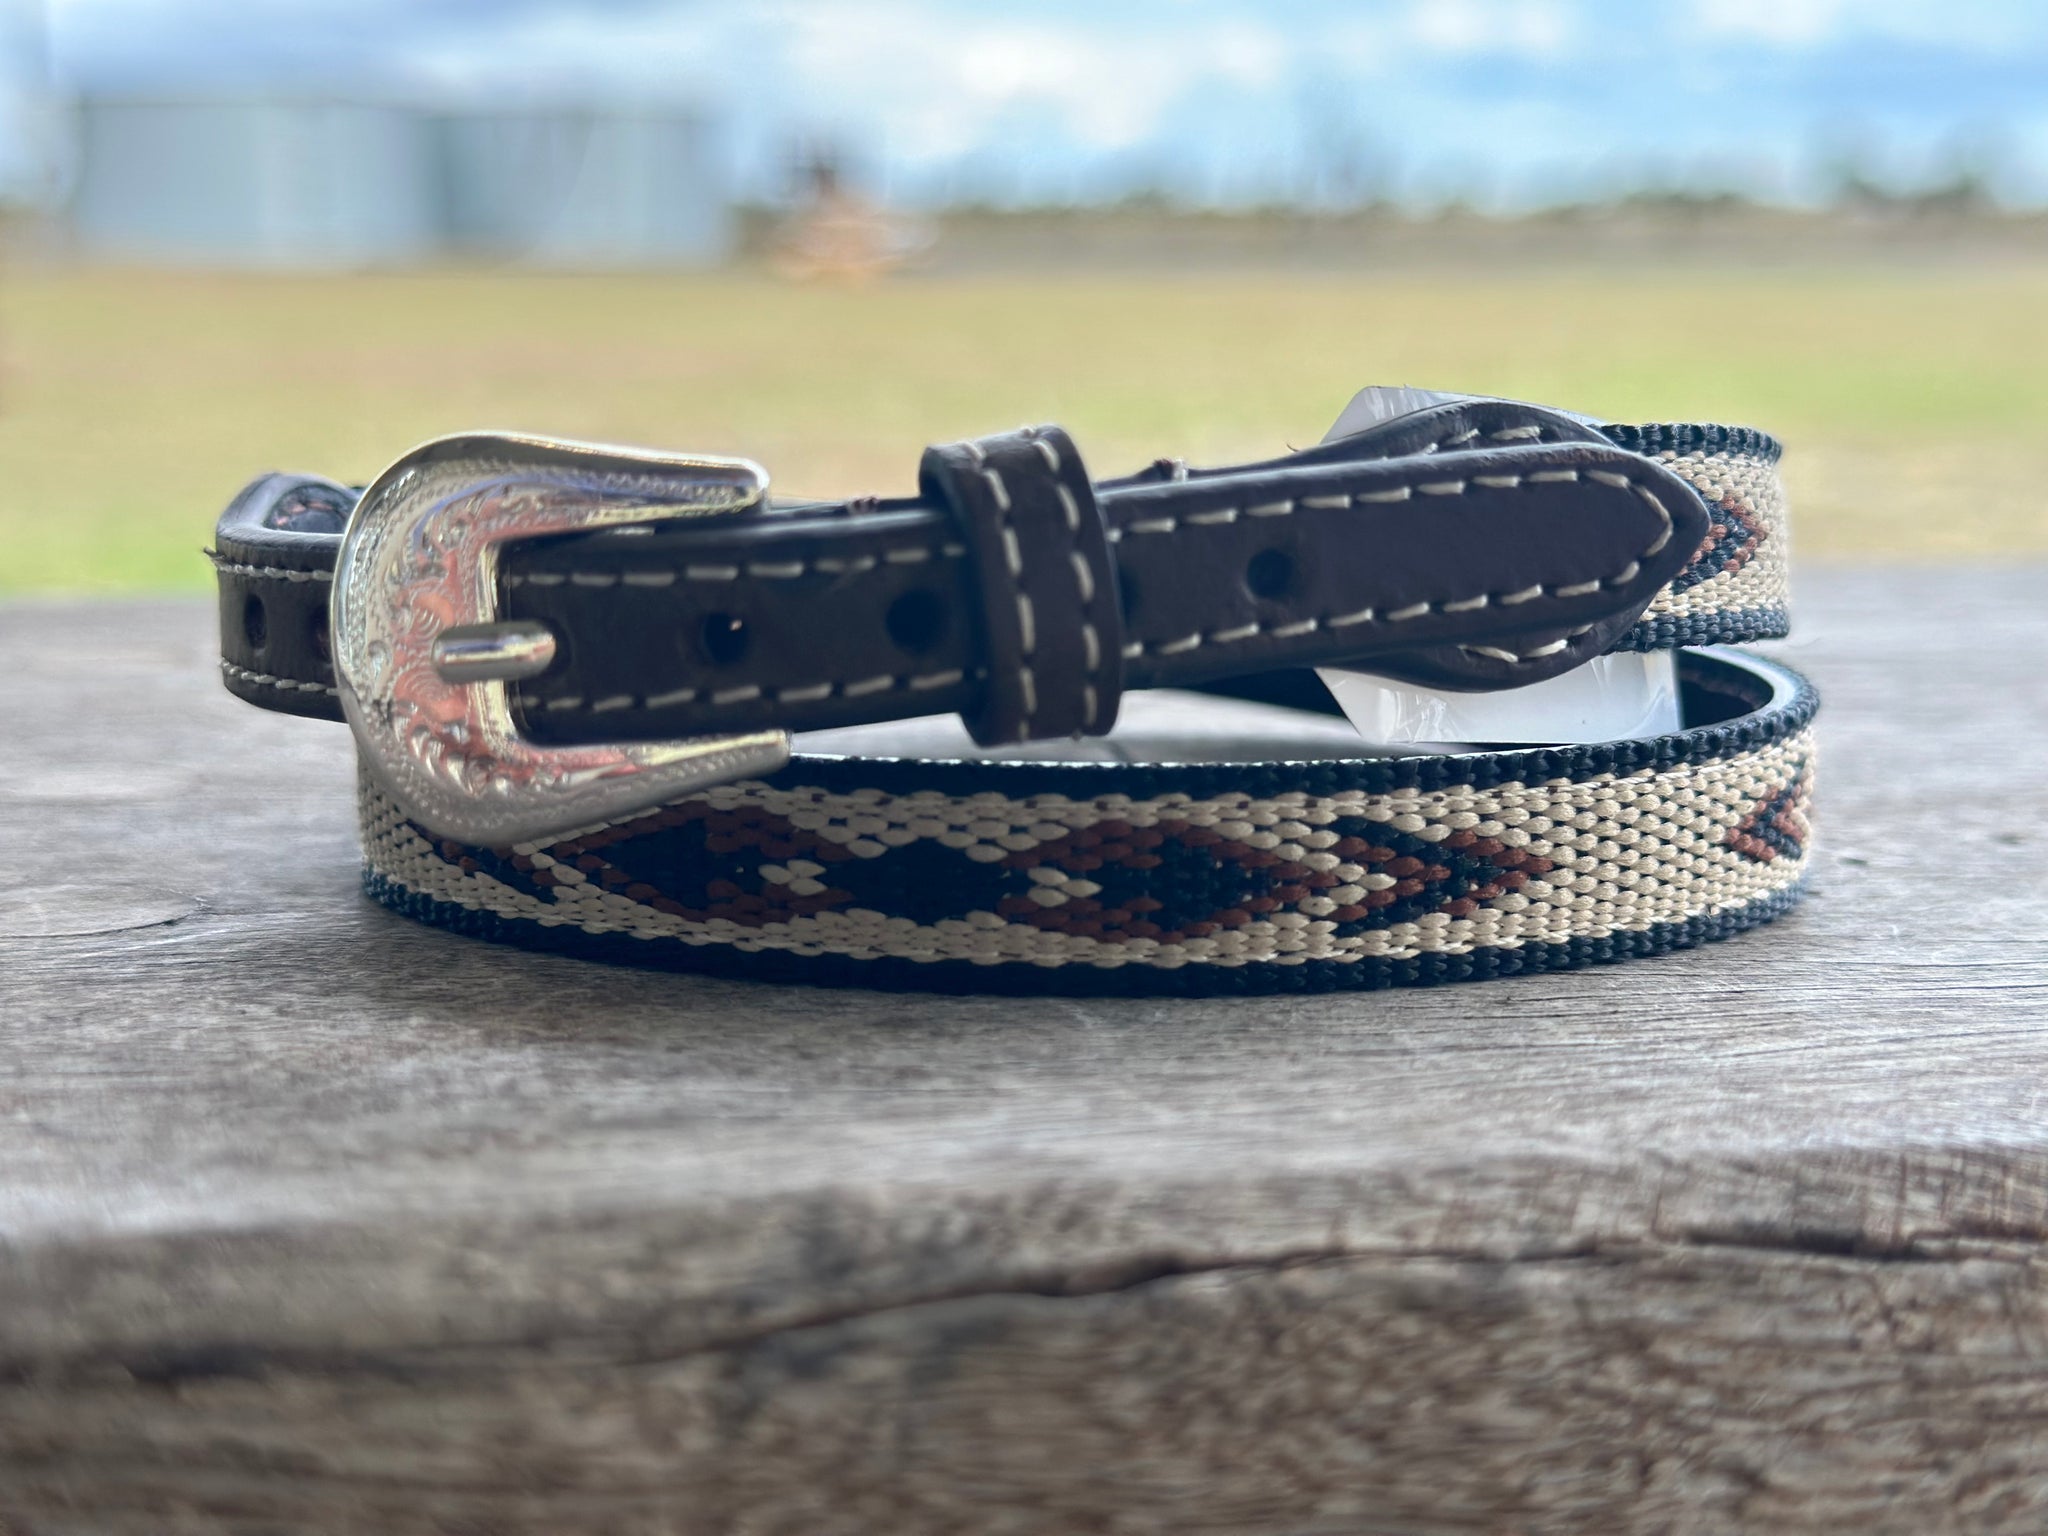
(315, 1220)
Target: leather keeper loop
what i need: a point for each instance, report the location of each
(1051, 614)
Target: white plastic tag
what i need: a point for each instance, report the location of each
(1611, 698)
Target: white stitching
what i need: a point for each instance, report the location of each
(1621, 578)
(1069, 506)
(283, 684)
(1084, 579)
(1659, 508)
(1399, 493)
(995, 485)
(1498, 654)
(779, 570)
(282, 573)
(1027, 614)
(810, 693)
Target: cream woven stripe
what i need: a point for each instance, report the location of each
(1631, 853)
(1753, 484)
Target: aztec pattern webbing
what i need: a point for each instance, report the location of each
(1734, 589)
(991, 876)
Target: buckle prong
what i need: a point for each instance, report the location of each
(421, 657)
(504, 652)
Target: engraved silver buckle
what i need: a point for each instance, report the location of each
(422, 661)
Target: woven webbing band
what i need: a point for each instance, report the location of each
(1212, 878)
(1734, 590)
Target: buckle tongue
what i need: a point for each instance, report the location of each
(421, 659)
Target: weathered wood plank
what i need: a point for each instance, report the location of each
(313, 1219)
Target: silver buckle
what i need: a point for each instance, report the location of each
(422, 660)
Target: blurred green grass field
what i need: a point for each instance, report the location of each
(133, 404)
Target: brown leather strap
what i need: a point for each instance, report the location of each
(1052, 636)
(1478, 545)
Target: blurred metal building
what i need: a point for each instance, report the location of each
(28, 122)
(278, 182)
(570, 188)
(253, 182)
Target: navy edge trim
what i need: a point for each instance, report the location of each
(1681, 437)
(1671, 633)
(1015, 979)
(1778, 704)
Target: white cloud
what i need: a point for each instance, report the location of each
(1490, 26)
(1980, 25)
(1070, 97)
(944, 82)
(1777, 21)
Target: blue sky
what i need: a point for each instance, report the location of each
(1505, 102)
